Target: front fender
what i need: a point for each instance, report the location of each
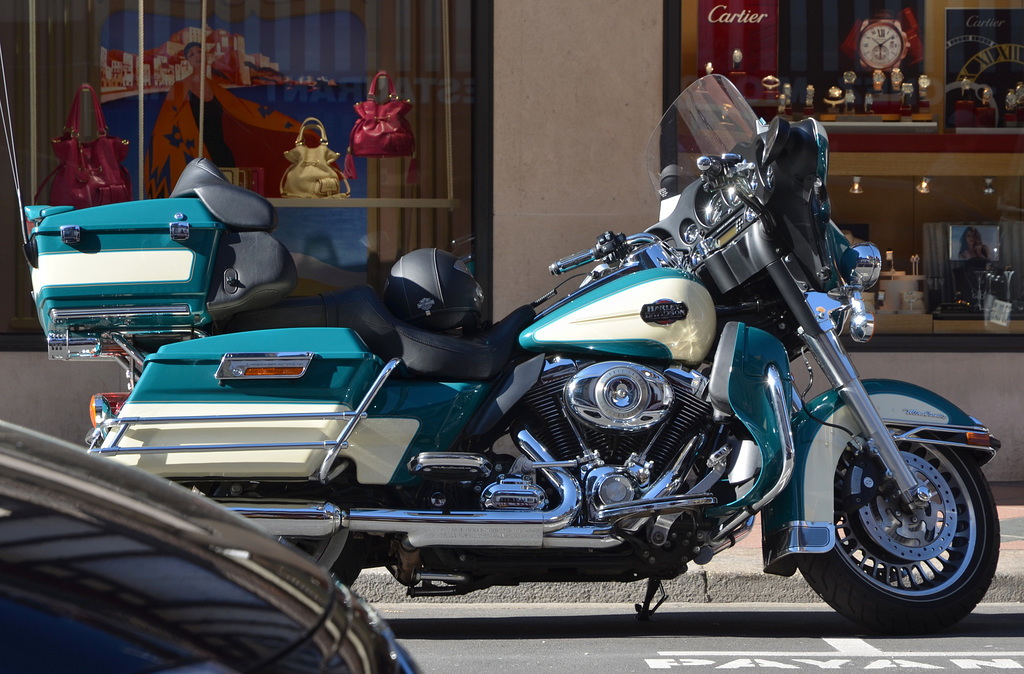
(801, 518)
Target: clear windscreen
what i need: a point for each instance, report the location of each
(710, 118)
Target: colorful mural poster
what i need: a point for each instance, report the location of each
(264, 74)
(984, 66)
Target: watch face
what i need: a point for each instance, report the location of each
(881, 45)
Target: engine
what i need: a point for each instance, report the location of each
(619, 396)
(617, 408)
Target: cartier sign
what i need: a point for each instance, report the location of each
(739, 38)
(721, 14)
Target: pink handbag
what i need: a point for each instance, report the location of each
(382, 130)
(90, 172)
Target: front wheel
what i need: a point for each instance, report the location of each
(904, 572)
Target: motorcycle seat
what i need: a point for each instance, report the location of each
(477, 357)
(236, 207)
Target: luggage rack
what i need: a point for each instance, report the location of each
(101, 332)
(323, 474)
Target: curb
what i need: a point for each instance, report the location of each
(735, 578)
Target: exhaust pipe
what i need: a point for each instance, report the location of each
(490, 528)
(291, 519)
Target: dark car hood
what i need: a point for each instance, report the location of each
(143, 560)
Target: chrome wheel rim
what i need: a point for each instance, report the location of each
(913, 554)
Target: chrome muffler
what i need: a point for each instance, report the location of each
(487, 528)
(291, 519)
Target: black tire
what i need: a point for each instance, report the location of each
(897, 576)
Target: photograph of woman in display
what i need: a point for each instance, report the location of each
(974, 242)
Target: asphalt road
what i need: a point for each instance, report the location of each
(490, 638)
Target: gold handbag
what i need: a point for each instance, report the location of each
(313, 173)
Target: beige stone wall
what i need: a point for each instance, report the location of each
(577, 90)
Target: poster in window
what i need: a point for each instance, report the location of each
(973, 242)
(866, 41)
(984, 65)
(263, 76)
(739, 39)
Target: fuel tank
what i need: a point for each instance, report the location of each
(662, 314)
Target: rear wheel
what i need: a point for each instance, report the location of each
(909, 572)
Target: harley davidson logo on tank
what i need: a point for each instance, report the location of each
(739, 38)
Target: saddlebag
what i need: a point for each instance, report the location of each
(271, 405)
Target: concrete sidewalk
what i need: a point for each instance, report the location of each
(733, 576)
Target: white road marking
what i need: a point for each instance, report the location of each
(842, 647)
(852, 646)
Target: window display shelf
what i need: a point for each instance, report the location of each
(928, 143)
(902, 163)
(862, 127)
(916, 324)
(365, 203)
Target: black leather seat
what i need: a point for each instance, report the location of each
(237, 208)
(476, 357)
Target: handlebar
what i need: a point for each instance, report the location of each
(571, 262)
(610, 247)
(717, 172)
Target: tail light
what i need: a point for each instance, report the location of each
(104, 406)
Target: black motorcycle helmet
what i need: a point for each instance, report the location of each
(432, 289)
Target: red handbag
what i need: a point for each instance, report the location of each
(90, 172)
(382, 130)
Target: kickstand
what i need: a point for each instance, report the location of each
(654, 586)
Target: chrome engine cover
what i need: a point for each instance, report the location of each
(619, 396)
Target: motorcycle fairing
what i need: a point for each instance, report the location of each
(800, 519)
(748, 359)
(608, 319)
(179, 383)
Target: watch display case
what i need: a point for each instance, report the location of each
(920, 101)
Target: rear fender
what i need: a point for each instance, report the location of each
(801, 519)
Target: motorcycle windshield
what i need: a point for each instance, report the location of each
(710, 118)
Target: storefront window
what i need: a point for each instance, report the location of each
(922, 102)
(256, 87)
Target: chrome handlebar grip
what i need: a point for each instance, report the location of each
(572, 261)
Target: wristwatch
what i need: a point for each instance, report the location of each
(884, 41)
(877, 80)
(897, 79)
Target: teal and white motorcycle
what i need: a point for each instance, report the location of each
(632, 428)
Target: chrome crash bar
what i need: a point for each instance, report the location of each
(120, 426)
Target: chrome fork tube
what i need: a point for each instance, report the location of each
(841, 373)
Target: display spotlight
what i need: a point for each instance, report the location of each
(856, 188)
(923, 186)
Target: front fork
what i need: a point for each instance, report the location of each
(832, 358)
(814, 313)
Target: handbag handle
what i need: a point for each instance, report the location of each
(72, 125)
(311, 122)
(371, 94)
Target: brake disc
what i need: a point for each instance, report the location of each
(917, 534)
